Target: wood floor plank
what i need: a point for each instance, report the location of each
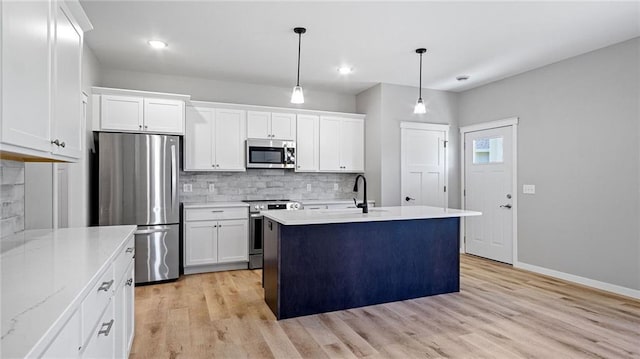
(500, 312)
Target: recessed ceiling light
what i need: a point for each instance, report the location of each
(345, 70)
(157, 44)
(463, 77)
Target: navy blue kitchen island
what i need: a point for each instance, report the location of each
(321, 261)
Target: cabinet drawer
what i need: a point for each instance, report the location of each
(124, 259)
(97, 299)
(206, 214)
(102, 336)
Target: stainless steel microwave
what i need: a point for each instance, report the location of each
(270, 153)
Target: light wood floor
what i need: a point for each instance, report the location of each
(500, 312)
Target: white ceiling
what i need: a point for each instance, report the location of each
(254, 42)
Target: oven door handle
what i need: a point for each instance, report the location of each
(256, 215)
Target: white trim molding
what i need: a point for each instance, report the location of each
(425, 126)
(513, 123)
(613, 288)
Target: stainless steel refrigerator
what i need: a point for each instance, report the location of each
(137, 181)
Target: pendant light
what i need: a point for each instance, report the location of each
(420, 107)
(297, 96)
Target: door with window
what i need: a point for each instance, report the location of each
(488, 188)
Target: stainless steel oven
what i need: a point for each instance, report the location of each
(270, 153)
(255, 225)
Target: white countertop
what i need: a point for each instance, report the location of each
(45, 274)
(311, 202)
(214, 205)
(293, 218)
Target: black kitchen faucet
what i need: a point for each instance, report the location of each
(364, 205)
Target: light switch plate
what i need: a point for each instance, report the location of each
(212, 187)
(335, 187)
(187, 187)
(308, 186)
(529, 189)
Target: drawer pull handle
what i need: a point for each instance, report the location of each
(129, 250)
(106, 328)
(105, 286)
(129, 281)
(217, 211)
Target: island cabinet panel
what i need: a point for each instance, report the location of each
(318, 268)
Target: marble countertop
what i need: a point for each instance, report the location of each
(308, 202)
(45, 274)
(214, 205)
(293, 218)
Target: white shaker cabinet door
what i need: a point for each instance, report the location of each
(25, 27)
(283, 126)
(330, 144)
(201, 243)
(164, 116)
(121, 113)
(233, 241)
(229, 140)
(67, 128)
(307, 146)
(102, 337)
(352, 145)
(198, 139)
(258, 124)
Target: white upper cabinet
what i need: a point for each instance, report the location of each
(258, 124)
(164, 116)
(229, 140)
(67, 111)
(341, 144)
(268, 125)
(121, 112)
(139, 111)
(307, 143)
(283, 126)
(41, 79)
(214, 139)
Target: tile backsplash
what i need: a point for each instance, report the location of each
(257, 184)
(12, 197)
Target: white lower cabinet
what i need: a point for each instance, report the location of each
(215, 236)
(103, 325)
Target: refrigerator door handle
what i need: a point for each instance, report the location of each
(150, 231)
(174, 176)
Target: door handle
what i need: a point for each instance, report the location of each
(150, 231)
(505, 206)
(407, 198)
(174, 176)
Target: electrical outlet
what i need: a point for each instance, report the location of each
(335, 187)
(187, 187)
(308, 186)
(212, 187)
(529, 189)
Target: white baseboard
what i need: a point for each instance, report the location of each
(215, 267)
(629, 292)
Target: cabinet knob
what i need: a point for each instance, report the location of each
(129, 281)
(106, 328)
(145, 127)
(105, 286)
(217, 165)
(62, 144)
(213, 165)
(140, 127)
(55, 142)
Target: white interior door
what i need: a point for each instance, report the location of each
(423, 166)
(488, 188)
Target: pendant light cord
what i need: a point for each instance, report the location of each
(299, 41)
(420, 88)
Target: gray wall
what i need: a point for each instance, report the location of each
(255, 184)
(12, 197)
(224, 91)
(578, 143)
(386, 106)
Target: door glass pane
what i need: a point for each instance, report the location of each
(487, 150)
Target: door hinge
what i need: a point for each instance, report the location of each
(464, 192)
(445, 144)
(445, 188)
